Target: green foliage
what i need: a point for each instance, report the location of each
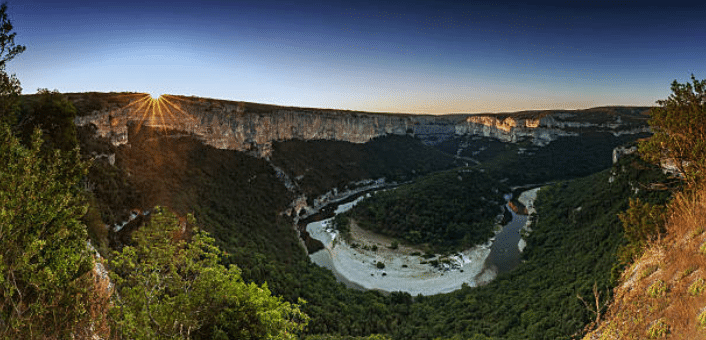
(449, 210)
(697, 287)
(525, 163)
(679, 126)
(649, 270)
(342, 223)
(642, 222)
(701, 318)
(52, 112)
(43, 253)
(321, 165)
(657, 289)
(171, 284)
(342, 337)
(8, 48)
(658, 329)
(688, 271)
(9, 84)
(380, 265)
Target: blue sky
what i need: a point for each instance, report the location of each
(413, 56)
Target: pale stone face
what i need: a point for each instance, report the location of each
(229, 125)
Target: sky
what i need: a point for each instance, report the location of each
(407, 57)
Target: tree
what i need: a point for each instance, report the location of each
(44, 259)
(679, 127)
(54, 114)
(9, 84)
(171, 285)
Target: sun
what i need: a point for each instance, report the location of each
(159, 110)
(154, 95)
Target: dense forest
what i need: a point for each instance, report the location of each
(447, 211)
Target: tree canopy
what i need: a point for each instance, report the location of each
(171, 285)
(679, 126)
(54, 114)
(43, 252)
(9, 84)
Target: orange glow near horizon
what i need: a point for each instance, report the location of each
(162, 111)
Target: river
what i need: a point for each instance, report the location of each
(356, 267)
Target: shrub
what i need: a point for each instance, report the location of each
(648, 271)
(172, 285)
(658, 329)
(657, 289)
(701, 318)
(696, 288)
(44, 259)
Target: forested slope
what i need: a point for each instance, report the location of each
(447, 211)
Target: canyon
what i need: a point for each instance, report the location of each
(256, 175)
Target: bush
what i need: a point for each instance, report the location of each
(44, 260)
(679, 126)
(171, 284)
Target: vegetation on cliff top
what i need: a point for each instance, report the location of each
(661, 294)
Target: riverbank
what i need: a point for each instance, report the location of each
(401, 269)
(527, 199)
(369, 260)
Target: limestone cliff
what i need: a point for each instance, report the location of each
(253, 127)
(227, 125)
(545, 126)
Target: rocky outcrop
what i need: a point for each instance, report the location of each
(541, 129)
(512, 130)
(622, 151)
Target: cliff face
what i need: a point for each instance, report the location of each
(230, 126)
(253, 127)
(546, 126)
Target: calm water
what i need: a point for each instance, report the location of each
(504, 253)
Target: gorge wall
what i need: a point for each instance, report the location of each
(253, 127)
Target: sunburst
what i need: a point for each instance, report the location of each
(161, 111)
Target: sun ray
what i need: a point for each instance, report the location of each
(142, 98)
(176, 107)
(144, 107)
(163, 112)
(158, 104)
